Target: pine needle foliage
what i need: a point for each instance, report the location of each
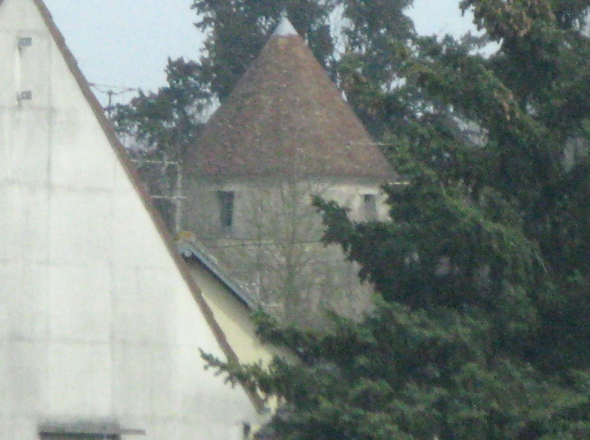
(481, 320)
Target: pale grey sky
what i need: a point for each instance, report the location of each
(126, 42)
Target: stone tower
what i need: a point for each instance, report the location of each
(284, 134)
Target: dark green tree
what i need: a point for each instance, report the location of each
(482, 313)
(352, 39)
(237, 30)
(377, 38)
(159, 126)
(166, 121)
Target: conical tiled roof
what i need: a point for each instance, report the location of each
(285, 117)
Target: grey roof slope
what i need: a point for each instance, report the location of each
(189, 247)
(286, 117)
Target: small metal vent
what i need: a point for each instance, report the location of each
(25, 95)
(25, 41)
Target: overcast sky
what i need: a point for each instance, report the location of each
(126, 43)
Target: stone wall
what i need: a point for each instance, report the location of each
(273, 244)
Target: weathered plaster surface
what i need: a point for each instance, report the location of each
(96, 321)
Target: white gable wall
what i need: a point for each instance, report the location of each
(97, 323)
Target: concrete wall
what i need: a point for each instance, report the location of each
(97, 324)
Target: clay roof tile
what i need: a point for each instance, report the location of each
(286, 117)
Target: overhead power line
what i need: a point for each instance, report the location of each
(111, 90)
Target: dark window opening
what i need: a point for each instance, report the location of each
(370, 206)
(226, 209)
(86, 431)
(79, 436)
